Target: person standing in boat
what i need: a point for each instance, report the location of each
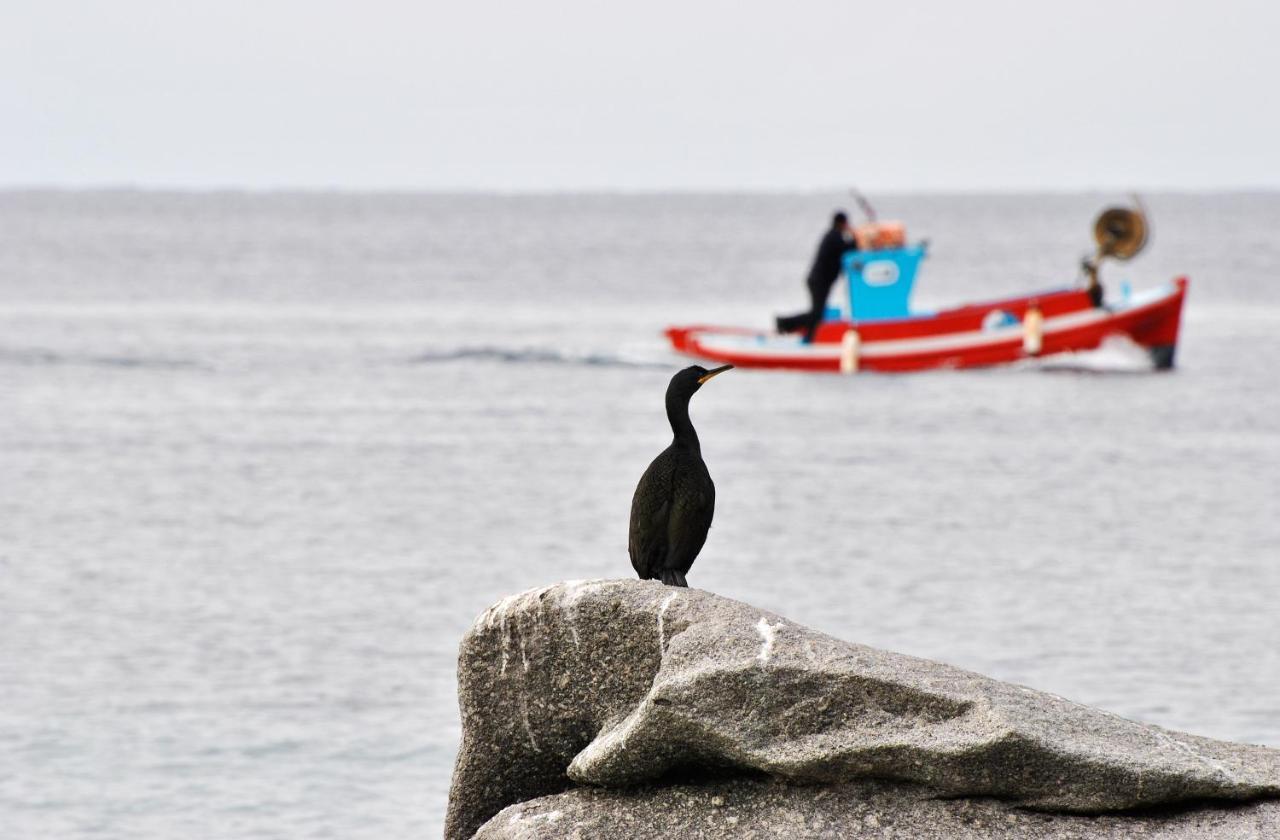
(836, 242)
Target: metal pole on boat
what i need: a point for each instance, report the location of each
(850, 344)
(867, 209)
(1033, 331)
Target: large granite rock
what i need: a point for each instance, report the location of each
(866, 810)
(620, 683)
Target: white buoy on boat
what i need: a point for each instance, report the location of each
(850, 345)
(1033, 331)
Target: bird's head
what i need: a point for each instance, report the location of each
(687, 382)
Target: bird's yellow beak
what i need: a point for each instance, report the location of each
(712, 373)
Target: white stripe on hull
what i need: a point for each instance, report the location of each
(783, 348)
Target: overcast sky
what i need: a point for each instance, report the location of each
(537, 95)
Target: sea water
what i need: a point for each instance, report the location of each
(264, 457)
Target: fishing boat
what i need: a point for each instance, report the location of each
(874, 329)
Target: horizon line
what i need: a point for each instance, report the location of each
(517, 192)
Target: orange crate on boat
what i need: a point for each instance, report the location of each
(877, 236)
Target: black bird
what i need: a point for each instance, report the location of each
(675, 499)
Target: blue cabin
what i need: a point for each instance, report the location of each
(879, 283)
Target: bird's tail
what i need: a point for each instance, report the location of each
(673, 577)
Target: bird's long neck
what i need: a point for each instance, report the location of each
(681, 425)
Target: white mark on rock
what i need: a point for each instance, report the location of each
(521, 816)
(662, 633)
(574, 591)
(768, 632)
(498, 612)
(524, 716)
(502, 642)
(501, 611)
(1184, 747)
(524, 657)
(571, 591)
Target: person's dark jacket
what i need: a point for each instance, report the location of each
(827, 263)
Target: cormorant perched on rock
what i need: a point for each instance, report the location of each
(675, 499)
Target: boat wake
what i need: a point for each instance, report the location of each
(543, 356)
(1117, 355)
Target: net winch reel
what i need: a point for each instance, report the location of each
(1120, 234)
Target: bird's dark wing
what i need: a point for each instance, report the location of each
(693, 506)
(650, 512)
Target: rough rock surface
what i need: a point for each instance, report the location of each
(867, 810)
(618, 683)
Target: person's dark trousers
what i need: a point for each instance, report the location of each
(808, 321)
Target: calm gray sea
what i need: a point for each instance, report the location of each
(263, 458)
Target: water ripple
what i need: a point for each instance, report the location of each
(536, 355)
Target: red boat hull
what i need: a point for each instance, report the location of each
(954, 338)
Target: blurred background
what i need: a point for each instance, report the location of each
(322, 330)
